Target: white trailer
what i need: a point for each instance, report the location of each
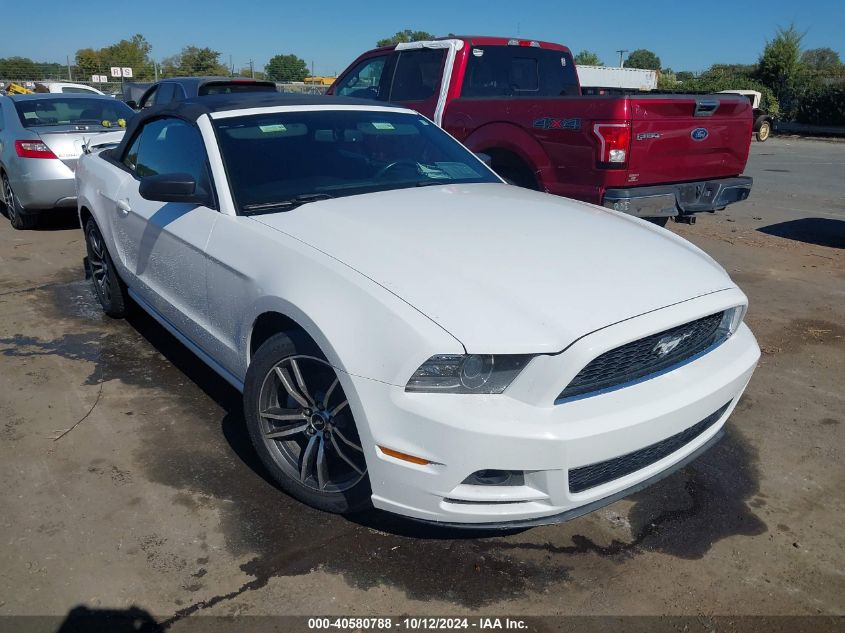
(613, 77)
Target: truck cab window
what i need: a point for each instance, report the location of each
(417, 75)
(364, 80)
(511, 71)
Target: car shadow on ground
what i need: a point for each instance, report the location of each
(83, 619)
(819, 231)
(55, 220)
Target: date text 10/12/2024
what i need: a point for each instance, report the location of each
(418, 623)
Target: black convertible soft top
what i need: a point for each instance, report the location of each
(193, 108)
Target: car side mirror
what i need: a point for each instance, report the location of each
(132, 104)
(484, 158)
(172, 188)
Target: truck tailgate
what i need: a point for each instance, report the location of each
(690, 137)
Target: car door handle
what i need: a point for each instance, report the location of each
(123, 206)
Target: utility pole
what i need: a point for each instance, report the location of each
(251, 69)
(621, 51)
(155, 70)
(231, 66)
(69, 76)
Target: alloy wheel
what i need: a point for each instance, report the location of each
(308, 427)
(100, 270)
(9, 197)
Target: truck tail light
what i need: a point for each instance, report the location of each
(614, 143)
(33, 149)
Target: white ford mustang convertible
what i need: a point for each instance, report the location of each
(408, 331)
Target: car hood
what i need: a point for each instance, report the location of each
(503, 269)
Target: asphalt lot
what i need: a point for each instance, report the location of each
(126, 476)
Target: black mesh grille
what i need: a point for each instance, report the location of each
(586, 477)
(640, 359)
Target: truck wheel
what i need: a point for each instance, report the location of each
(658, 221)
(514, 171)
(764, 132)
(17, 218)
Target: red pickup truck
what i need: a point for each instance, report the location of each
(519, 101)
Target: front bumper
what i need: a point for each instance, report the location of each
(679, 198)
(523, 430)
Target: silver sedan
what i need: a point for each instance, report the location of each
(41, 138)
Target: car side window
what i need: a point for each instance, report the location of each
(168, 146)
(417, 75)
(364, 80)
(131, 157)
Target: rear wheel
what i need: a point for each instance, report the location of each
(658, 221)
(302, 427)
(513, 170)
(764, 132)
(17, 217)
(108, 286)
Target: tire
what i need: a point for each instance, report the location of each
(764, 131)
(514, 172)
(17, 217)
(318, 427)
(109, 288)
(658, 221)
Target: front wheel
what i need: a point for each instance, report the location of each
(302, 426)
(658, 221)
(764, 132)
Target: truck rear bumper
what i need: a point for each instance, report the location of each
(681, 198)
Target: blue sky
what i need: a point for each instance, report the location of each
(686, 35)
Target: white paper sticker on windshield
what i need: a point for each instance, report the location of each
(478, 52)
(383, 125)
(275, 127)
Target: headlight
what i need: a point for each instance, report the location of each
(731, 320)
(467, 373)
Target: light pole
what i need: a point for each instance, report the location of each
(621, 51)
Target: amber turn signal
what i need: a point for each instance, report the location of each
(404, 456)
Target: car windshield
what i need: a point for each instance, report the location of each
(102, 111)
(276, 160)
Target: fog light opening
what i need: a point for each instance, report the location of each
(491, 477)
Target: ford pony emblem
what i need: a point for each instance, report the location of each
(668, 343)
(699, 134)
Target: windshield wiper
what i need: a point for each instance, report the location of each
(287, 204)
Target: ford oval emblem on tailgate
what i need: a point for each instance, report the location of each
(699, 134)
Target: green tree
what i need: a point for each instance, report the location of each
(193, 61)
(88, 62)
(684, 75)
(643, 58)
(407, 35)
(286, 68)
(588, 58)
(821, 59)
(133, 53)
(17, 68)
(667, 79)
(780, 64)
